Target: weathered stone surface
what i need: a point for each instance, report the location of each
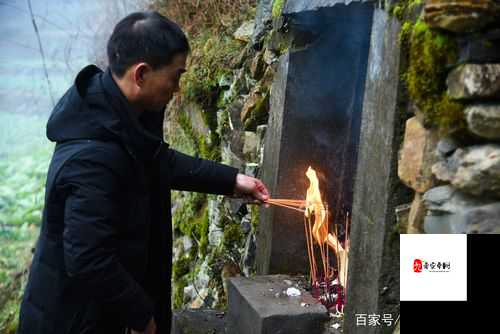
(250, 145)
(245, 31)
(297, 6)
(474, 81)
(484, 120)
(258, 306)
(269, 56)
(460, 16)
(248, 256)
(480, 48)
(215, 232)
(451, 211)
(263, 20)
(474, 170)
(251, 103)
(402, 214)
(417, 156)
(198, 322)
(416, 216)
(257, 67)
(374, 288)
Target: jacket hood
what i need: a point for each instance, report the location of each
(95, 108)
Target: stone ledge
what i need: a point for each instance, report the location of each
(259, 305)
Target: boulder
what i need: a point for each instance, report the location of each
(452, 211)
(417, 156)
(474, 170)
(474, 81)
(245, 31)
(484, 120)
(460, 16)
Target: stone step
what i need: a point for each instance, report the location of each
(199, 321)
(260, 305)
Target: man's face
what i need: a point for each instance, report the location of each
(159, 86)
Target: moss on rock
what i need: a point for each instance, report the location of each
(278, 7)
(430, 54)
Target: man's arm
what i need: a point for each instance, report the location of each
(195, 174)
(90, 239)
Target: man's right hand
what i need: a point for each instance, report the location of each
(150, 328)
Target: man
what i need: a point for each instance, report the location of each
(103, 259)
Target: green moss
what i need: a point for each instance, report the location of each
(405, 33)
(430, 52)
(232, 235)
(208, 64)
(401, 9)
(255, 217)
(181, 267)
(278, 7)
(178, 293)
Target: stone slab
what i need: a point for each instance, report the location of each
(373, 282)
(198, 322)
(259, 306)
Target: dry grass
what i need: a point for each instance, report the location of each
(196, 15)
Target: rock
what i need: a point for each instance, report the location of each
(248, 256)
(451, 211)
(257, 66)
(251, 169)
(198, 322)
(446, 147)
(402, 212)
(270, 57)
(479, 48)
(416, 216)
(250, 145)
(215, 232)
(263, 21)
(245, 224)
(187, 243)
(417, 156)
(474, 81)
(474, 170)
(250, 103)
(255, 309)
(484, 120)
(200, 300)
(460, 16)
(245, 31)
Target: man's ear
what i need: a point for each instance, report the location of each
(140, 72)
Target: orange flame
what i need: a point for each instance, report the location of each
(316, 209)
(314, 205)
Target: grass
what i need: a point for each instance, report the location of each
(24, 159)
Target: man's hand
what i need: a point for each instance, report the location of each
(150, 328)
(247, 186)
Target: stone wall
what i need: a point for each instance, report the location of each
(221, 114)
(450, 156)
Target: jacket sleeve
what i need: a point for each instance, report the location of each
(194, 174)
(90, 240)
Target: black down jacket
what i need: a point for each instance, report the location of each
(103, 259)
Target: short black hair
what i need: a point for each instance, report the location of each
(144, 37)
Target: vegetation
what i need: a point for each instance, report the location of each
(24, 158)
(430, 53)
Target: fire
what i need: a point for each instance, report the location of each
(315, 211)
(327, 287)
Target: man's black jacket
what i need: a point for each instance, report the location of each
(103, 259)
